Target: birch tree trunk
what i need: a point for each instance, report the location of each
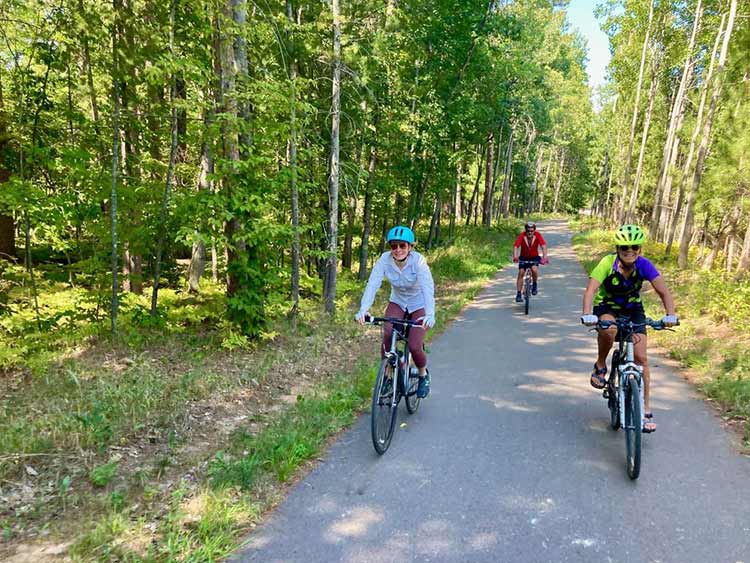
(117, 7)
(543, 189)
(644, 139)
(675, 124)
(634, 121)
(705, 140)
(693, 140)
(505, 204)
(488, 182)
(475, 193)
(367, 216)
(558, 185)
(296, 247)
(744, 264)
(329, 292)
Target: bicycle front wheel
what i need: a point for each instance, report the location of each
(384, 405)
(526, 297)
(633, 427)
(613, 399)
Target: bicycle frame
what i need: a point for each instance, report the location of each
(628, 368)
(400, 361)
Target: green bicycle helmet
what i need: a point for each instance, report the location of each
(629, 234)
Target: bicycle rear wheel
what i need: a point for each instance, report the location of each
(410, 397)
(633, 427)
(384, 405)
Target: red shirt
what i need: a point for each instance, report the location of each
(530, 250)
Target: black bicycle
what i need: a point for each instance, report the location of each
(624, 389)
(396, 379)
(528, 282)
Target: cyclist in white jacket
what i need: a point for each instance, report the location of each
(412, 296)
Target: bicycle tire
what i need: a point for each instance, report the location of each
(613, 401)
(410, 397)
(383, 413)
(633, 427)
(526, 297)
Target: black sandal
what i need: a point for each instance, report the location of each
(647, 420)
(599, 377)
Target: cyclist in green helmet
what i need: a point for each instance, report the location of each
(614, 291)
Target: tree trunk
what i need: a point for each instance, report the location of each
(170, 169)
(543, 189)
(117, 6)
(455, 207)
(329, 291)
(242, 78)
(7, 224)
(644, 139)
(296, 247)
(367, 216)
(505, 204)
(206, 170)
(691, 151)
(705, 140)
(675, 124)
(744, 264)
(558, 185)
(634, 121)
(488, 183)
(235, 245)
(131, 148)
(475, 194)
(537, 171)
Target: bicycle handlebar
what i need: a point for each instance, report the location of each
(393, 320)
(529, 263)
(627, 323)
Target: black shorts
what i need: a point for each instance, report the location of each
(637, 315)
(536, 259)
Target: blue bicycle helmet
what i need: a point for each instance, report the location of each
(400, 232)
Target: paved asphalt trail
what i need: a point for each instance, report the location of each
(511, 458)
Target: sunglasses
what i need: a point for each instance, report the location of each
(401, 245)
(635, 247)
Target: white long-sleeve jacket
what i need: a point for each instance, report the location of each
(411, 288)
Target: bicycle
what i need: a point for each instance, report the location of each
(394, 368)
(528, 282)
(624, 389)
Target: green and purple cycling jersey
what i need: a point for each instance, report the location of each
(618, 293)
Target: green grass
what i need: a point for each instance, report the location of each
(713, 338)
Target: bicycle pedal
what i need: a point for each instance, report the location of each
(605, 393)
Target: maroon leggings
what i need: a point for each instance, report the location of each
(416, 334)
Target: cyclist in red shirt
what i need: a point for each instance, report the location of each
(526, 248)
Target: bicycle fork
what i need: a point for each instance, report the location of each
(628, 369)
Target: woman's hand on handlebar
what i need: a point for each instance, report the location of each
(361, 317)
(589, 320)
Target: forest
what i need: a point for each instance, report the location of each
(268, 148)
(213, 179)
